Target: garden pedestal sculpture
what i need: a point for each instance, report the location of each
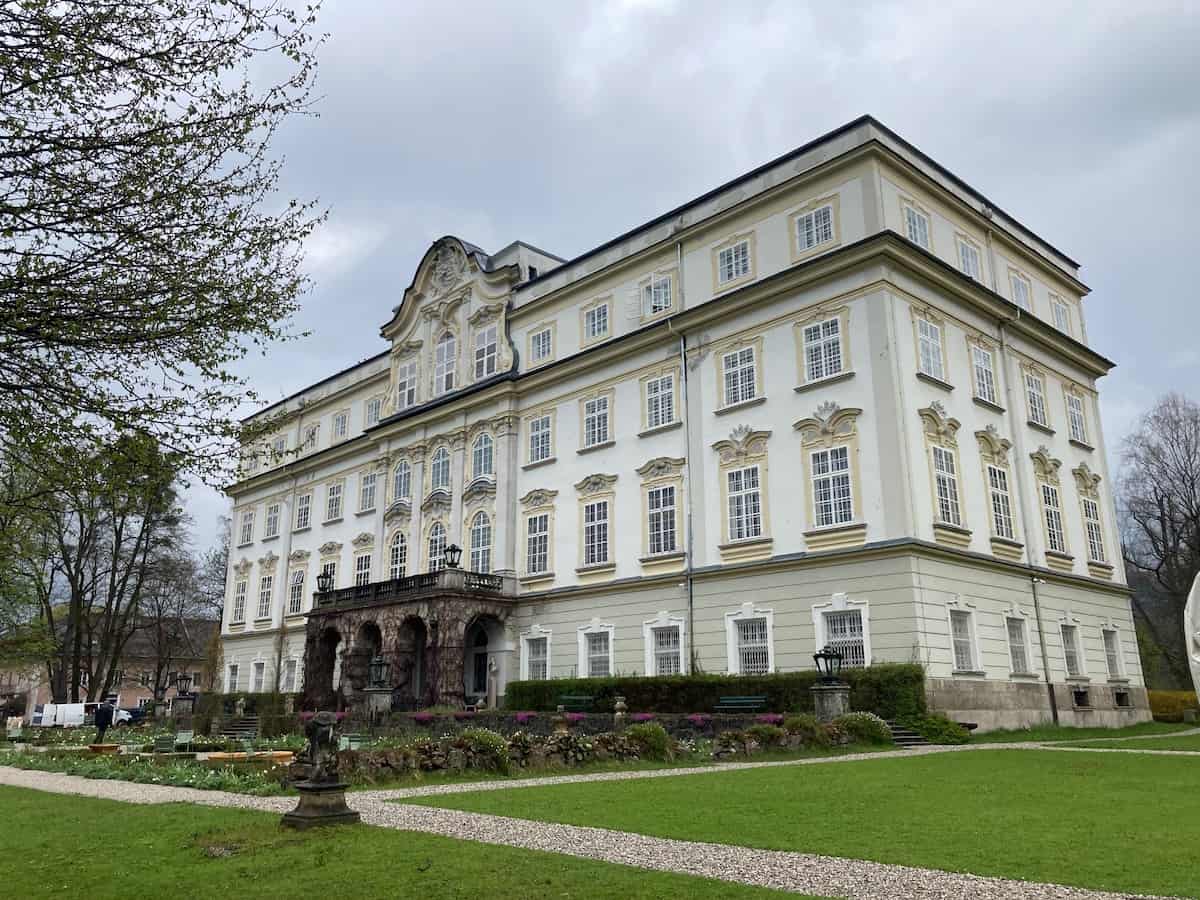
(322, 794)
(830, 700)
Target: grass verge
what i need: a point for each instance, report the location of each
(1064, 733)
(1182, 742)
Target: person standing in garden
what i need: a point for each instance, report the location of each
(104, 717)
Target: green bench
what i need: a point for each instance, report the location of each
(168, 744)
(576, 702)
(741, 704)
(351, 741)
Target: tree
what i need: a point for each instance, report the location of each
(212, 571)
(143, 244)
(1160, 503)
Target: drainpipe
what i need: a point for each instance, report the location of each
(687, 469)
(1034, 581)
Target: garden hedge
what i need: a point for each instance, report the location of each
(890, 690)
(268, 707)
(1168, 706)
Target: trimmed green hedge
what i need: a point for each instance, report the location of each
(890, 690)
(269, 707)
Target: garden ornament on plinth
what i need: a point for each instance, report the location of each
(1191, 632)
(322, 796)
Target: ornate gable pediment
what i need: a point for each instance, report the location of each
(268, 561)
(481, 487)
(398, 510)
(539, 497)
(828, 425)
(243, 566)
(365, 539)
(595, 484)
(299, 555)
(437, 501)
(742, 444)
(330, 548)
(1087, 481)
(662, 467)
(1045, 466)
(993, 448)
(939, 427)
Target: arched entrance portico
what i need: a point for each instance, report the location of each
(485, 646)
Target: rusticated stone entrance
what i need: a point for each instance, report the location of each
(419, 626)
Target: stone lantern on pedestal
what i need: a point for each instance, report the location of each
(831, 695)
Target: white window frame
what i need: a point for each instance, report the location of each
(826, 491)
(303, 511)
(662, 520)
(541, 438)
(737, 363)
(445, 364)
(237, 612)
(334, 498)
(657, 289)
(439, 470)
(435, 547)
(1116, 655)
(1022, 290)
(1076, 418)
(1093, 527)
(734, 262)
(398, 556)
(258, 677)
(744, 517)
(1026, 644)
(823, 357)
(947, 499)
(312, 437)
(1076, 647)
(368, 483)
(296, 592)
(290, 671)
(246, 528)
(594, 627)
(1000, 502)
(965, 614)
(650, 651)
(330, 566)
(1056, 535)
(660, 401)
(918, 226)
(480, 557)
(1061, 311)
(266, 595)
(535, 633)
(231, 678)
(841, 603)
(1035, 398)
(406, 385)
(402, 480)
(747, 611)
(486, 351)
(597, 517)
(543, 538)
(341, 425)
(373, 410)
(271, 526)
(596, 421)
(930, 359)
(596, 322)
(814, 228)
(983, 366)
(362, 569)
(970, 259)
(541, 345)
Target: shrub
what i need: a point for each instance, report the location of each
(1168, 706)
(808, 729)
(937, 729)
(864, 728)
(488, 750)
(767, 735)
(652, 740)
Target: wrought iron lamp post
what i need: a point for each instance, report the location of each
(183, 684)
(325, 582)
(831, 695)
(829, 664)
(453, 556)
(378, 671)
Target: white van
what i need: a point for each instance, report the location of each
(68, 715)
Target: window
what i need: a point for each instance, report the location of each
(656, 295)
(1062, 315)
(240, 589)
(754, 656)
(296, 593)
(660, 401)
(279, 445)
(533, 272)
(595, 533)
(823, 349)
(362, 569)
(437, 547)
(660, 505)
(266, 586)
(445, 357)
(485, 352)
(341, 425)
(536, 658)
(481, 456)
(832, 499)
(272, 529)
(402, 481)
(745, 504)
(541, 345)
(595, 323)
(917, 225)
(844, 633)
(247, 533)
(1018, 649)
(929, 340)
(1076, 422)
(439, 470)
(366, 491)
(1022, 292)
(961, 638)
(537, 544)
(1112, 653)
(406, 385)
(1095, 534)
(398, 556)
(985, 376)
(333, 502)
(1055, 538)
(539, 439)
(946, 480)
(374, 410)
(814, 228)
(1002, 520)
(289, 676)
(310, 437)
(303, 511)
(599, 645)
(330, 567)
(233, 679)
(260, 677)
(1070, 639)
(733, 262)
(481, 543)
(968, 259)
(595, 421)
(740, 377)
(1035, 392)
(666, 650)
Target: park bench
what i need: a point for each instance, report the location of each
(169, 744)
(576, 702)
(351, 741)
(740, 704)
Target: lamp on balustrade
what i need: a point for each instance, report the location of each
(829, 664)
(325, 582)
(378, 671)
(183, 683)
(453, 555)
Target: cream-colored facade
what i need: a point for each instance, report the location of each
(842, 398)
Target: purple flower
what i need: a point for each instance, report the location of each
(423, 718)
(523, 717)
(575, 717)
(642, 717)
(464, 714)
(770, 719)
(699, 720)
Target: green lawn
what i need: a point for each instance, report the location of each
(1063, 733)
(1095, 820)
(61, 846)
(1181, 742)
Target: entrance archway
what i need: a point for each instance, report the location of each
(484, 643)
(409, 668)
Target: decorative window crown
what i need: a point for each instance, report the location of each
(992, 447)
(939, 427)
(595, 484)
(742, 444)
(1045, 466)
(828, 424)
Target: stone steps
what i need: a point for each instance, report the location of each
(243, 729)
(905, 738)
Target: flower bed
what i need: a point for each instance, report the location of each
(262, 780)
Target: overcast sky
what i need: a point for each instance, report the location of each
(565, 123)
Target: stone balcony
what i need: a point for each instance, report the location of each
(416, 588)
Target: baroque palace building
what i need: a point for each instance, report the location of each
(842, 399)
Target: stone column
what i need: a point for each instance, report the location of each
(507, 458)
(458, 481)
(416, 552)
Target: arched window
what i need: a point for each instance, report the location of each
(439, 471)
(402, 481)
(437, 547)
(481, 456)
(444, 363)
(481, 543)
(398, 557)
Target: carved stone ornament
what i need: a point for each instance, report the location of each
(448, 266)
(539, 497)
(595, 484)
(1045, 466)
(406, 348)
(483, 486)
(743, 443)
(243, 566)
(506, 424)
(939, 427)
(398, 510)
(329, 548)
(299, 555)
(268, 561)
(1087, 481)
(365, 539)
(828, 425)
(486, 313)
(993, 448)
(437, 501)
(662, 467)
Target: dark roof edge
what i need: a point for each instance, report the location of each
(304, 390)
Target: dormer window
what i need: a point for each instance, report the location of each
(444, 364)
